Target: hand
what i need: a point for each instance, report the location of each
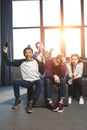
(5, 49)
(75, 75)
(51, 49)
(56, 79)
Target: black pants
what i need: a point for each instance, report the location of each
(75, 87)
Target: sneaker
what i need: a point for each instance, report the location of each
(81, 101)
(52, 107)
(16, 104)
(69, 100)
(55, 109)
(29, 107)
(60, 107)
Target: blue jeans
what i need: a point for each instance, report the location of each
(26, 84)
(62, 87)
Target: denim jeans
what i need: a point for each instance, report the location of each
(62, 87)
(76, 85)
(26, 84)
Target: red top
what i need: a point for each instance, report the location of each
(51, 69)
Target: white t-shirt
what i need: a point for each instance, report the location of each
(29, 70)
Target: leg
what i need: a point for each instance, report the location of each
(29, 93)
(48, 83)
(62, 93)
(50, 104)
(70, 93)
(20, 82)
(80, 89)
(38, 88)
(70, 90)
(62, 87)
(16, 84)
(29, 97)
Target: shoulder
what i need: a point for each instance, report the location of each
(80, 63)
(49, 61)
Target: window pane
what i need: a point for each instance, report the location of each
(51, 12)
(85, 12)
(72, 39)
(72, 12)
(22, 38)
(86, 42)
(52, 41)
(26, 13)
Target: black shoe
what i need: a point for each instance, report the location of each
(16, 104)
(29, 107)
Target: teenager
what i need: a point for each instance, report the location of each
(55, 72)
(75, 71)
(31, 69)
(41, 54)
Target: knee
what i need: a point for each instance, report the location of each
(15, 82)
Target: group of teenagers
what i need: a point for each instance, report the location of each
(39, 69)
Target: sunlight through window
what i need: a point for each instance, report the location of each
(26, 13)
(72, 12)
(85, 12)
(72, 38)
(51, 12)
(23, 38)
(86, 42)
(52, 41)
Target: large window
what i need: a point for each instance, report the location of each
(23, 38)
(59, 24)
(85, 28)
(86, 42)
(51, 13)
(85, 12)
(72, 39)
(52, 41)
(26, 13)
(26, 25)
(72, 12)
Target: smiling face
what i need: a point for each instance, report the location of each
(28, 53)
(39, 47)
(75, 59)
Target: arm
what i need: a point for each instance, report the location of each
(79, 70)
(50, 52)
(15, 63)
(63, 70)
(49, 69)
(69, 70)
(41, 66)
(62, 73)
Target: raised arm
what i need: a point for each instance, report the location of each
(14, 63)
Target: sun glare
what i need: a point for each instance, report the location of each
(72, 38)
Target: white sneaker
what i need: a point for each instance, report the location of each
(81, 101)
(69, 100)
